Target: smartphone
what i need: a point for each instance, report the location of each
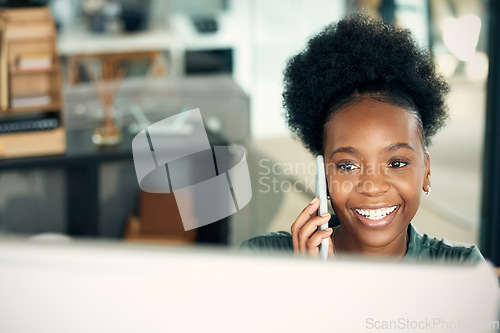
(323, 204)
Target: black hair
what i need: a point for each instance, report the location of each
(360, 57)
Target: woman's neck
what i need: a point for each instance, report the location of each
(345, 243)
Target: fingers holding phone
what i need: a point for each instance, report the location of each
(305, 234)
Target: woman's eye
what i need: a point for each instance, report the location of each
(397, 164)
(346, 166)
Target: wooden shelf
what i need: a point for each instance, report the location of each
(29, 39)
(17, 71)
(34, 143)
(29, 33)
(32, 109)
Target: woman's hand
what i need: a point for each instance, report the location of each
(306, 237)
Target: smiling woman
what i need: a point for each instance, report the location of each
(367, 98)
(386, 167)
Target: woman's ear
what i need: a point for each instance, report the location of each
(427, 177)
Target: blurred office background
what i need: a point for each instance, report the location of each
(226, 57)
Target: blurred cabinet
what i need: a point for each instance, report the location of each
(30, 105)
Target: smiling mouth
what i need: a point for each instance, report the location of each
(376, 217)
(376, 214)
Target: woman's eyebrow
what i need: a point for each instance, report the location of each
(398, 145)
(349, 150)
(352, 150)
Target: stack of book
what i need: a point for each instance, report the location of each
(36, 61)
(32, 123)
(34, 100)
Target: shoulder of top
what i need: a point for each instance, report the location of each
(272, 241)
(443, 244)
(276, 234)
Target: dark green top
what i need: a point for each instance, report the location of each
(420, 248)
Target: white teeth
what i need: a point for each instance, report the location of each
(376, 214)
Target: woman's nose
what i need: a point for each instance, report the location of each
(372, 181)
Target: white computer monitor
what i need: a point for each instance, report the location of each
(113, 287)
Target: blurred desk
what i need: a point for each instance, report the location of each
(224, 107)
(81, 164)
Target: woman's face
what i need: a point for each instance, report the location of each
(376, 170)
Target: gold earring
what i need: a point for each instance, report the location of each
(428, 190)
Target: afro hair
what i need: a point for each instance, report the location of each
(360, 55)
